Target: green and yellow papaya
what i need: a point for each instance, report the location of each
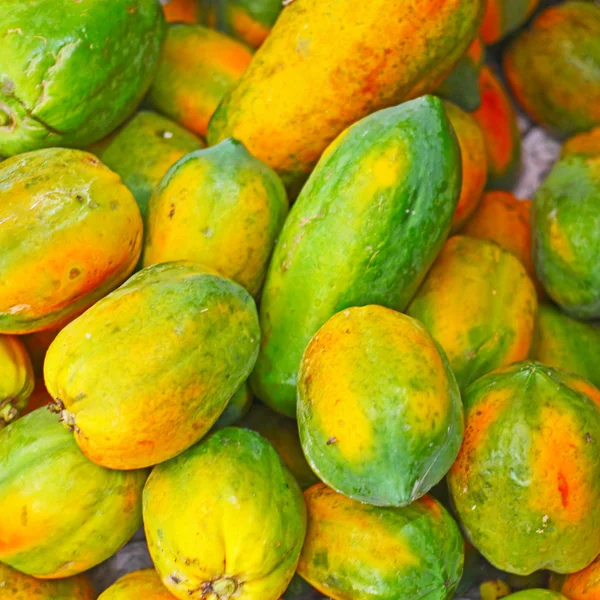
(537, 594)
(479, 304)
(502, 17)
(566, 234)
(142, 151)
(183, 11)
(559, 87)
(389, 221)
(371, 377)
(61, 513)
(225, 519)
(237, 407)
(312, 78)
(70, 232)
(355, 551)
(221, 207)
(177, 340)
(138, 585)
(526, 484)
(16, 378)
(583, 585)
(197, 67)
(70, 72)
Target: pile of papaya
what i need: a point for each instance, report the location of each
(266, 292)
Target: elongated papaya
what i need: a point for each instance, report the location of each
(389, 219)
(311, 79)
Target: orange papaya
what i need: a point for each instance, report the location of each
(502, 17)
(587, 143)
(138, 585)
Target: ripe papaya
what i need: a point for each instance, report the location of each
(238, 537)
(238, 406)
(502, 17)
(138, 585)
(70, 232)
(583, 585)
(183, 11)
(70, 72)
(479, 304)
(566, 234)
(312, 79)
(61, 513)
(197, 67)
(142, 151)
(559, 87)
(355, 551)
(371, 375)
(526, 483)
(390, 222)
(221, 207)
(16, 378)
(177, 340)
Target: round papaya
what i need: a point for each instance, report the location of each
(566, 343)
(70, 72)
(221, 207)
(559, 87)
(566, 234)
(225, 519)
(16, 378)
(177, 340)
(15, 585)
(142, 151)
(526, 483)
(587, 143)
(282, 432)
(369, 377)
(498, 121)
(536, 594)
(479, 304)
(237, 407)
(197, 67)
(138, 585)
(474, 162)
(183, 11)
(355, 551)
(502, 17)
(70, 232)
(583, 585)
(61, 513)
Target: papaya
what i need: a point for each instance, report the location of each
(142, 151)
(566, 343)
(583, 585)
(479, 304)
(61, 513)
(70, 232)
(462, 84)
(312, 78)
(221, 207)
(474, 162)
(70, 72)
(18, 586)
(282, 432)
(197, 67)
(16, 378)
(526, 483)
(494, 590)
(498, 121)
(371, 375)
(238, 537)
(587, 143)
(502, 17)
(177, 340)
(566, 234)
(238, 406)
(183, 11)
(249, 21)
(536, 594)
(144, 584)
(355, 551)
(558, 88)
(389, 221)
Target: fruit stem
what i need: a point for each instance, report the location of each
(224, 588)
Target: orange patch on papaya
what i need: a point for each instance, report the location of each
(250, 30)
(491, 27)
(181, 11)
(583, 386)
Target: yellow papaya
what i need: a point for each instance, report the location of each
(16, 378)
(138, 585)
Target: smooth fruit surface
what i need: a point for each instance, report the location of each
(537, 594)
(183, 11)
(503, 17)
(583, 585)
(389, 222)
(158, 336)
(138, 585)
(16, 378)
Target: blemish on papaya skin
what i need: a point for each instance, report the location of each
(332, 440)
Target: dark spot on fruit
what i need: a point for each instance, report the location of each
(79, 198)
(114, 205)
(24, 516)
(92, 160)
(332, 440)
(92, 204)
(172, 213)
(588, 438)
(174, 579)
(74, 273)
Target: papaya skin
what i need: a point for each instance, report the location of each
(239, 537)
(355, 551)
(70, 232)
(587, 143)
(144, 584)
(71, 72)
(368, 376)
(145, 413)
(503, 17)
(197, 67)
(536, 594)
(559, 88)
(16, 378)
(583, 585)
(221, 207)
(42, 472)
(183, 11)
(390, 222)
(237, 408)
(525, 484)
(306, 84)
(18, 586)
(479, 304)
